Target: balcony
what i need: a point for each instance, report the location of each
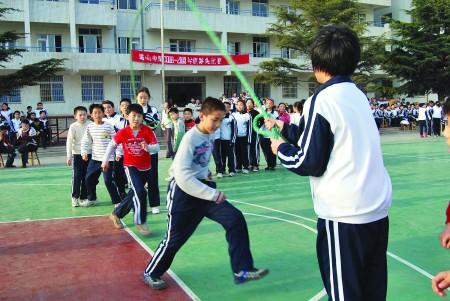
(376, 3)
(50, 12)
(103, 13)
(242, 21)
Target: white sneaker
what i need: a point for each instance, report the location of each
(245, 171)
(87, 203)
(232, 174)
(75, 202)
(155, 210)
(220, 175)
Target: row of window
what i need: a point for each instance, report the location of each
(92, 87)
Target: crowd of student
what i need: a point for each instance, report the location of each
(428, 116)
(23, 131)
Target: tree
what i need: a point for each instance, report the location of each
(420, 49)
(296, 28)
(28, 75)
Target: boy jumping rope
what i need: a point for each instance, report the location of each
(351, 189)
(138, 141)
(192, 196)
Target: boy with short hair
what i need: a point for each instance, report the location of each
(26, 140)
(138, 141)
(73, 148)
(39, 109)
(189, 122)
(192, 196)
(6, 147)
(228, 133)
(45, 128)
(97, 137)
(15, 127)
(351, 189)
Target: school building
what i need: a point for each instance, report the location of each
(96, 37)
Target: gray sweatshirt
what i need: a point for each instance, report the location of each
(190, 165)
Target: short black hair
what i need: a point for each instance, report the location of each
(211, 104)
(173, 110)
(39, 103)
(143, 89)
(188, 110)
(108, 102)
(29, 107)
(16, 112)
(25, 121)
(446, 106)
(125, 100)
(335, 50)
(94, 106)
(136, 108)
(79, 108)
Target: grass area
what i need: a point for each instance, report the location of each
(420, 175)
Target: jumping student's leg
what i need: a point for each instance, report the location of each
(153, 188)
(92, 174)
(352, 259)
(110, 184)
(180, 226)
(137, 197)
(235, 226)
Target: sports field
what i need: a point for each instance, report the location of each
(281, 221)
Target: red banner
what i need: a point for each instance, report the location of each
(141, 56)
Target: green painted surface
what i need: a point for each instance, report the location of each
(420, 171)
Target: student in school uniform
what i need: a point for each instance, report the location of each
(228, 133)
(95, 141)
(437, 117)
(254, 144)
(429, 118)
(422, 119)
(192, 195)
(73, 149)
(138, 141)
(152, 120)
(26, 140)
(244, 136)
(116, 120)
(264, 140)
(341, 153)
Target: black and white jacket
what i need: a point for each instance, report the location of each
(151, 116)
(228, 128)
(340, 151)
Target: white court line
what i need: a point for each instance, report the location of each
(53, 218)
(416, 157)
(35, 184)
(412, 266)
(180, 282)
(319, 295)
(275, 210)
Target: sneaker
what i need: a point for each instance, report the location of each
(117, 222)
(75, 202)
(220, 175)
(252, 274)
(232, 174)
(87, 203)
(143, 229)
(245, 171)
(255, 169)
(154, 282)
(155, 210)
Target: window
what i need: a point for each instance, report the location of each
(13, 97)
(361, 18)
(126, 4)
(91, 88)
(182, 45)
(261, 89)
(49, 43)
(231, 84)
(182, 5)
(288, 53)
(51, 89)
(233, 7)
(289, 90)
(260, 8)
(127, 44)
(127, 87)
(90, 40)
(234, 47)
(8, 45)
(312, 88)
(90, 1)
(260, 47)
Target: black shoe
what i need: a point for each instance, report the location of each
(24, 166)
(10, 166)
(252, 274)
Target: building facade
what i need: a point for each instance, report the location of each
(96, 36)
